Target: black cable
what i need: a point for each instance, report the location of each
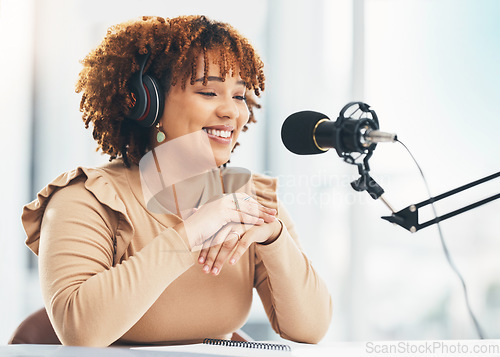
(445, 248)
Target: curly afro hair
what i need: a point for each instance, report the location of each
(174, 46)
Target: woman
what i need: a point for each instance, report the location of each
(112, 268)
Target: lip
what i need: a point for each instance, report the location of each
(218, 139)
(220, 127)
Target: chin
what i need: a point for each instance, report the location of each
(221, 157)
(220, 162)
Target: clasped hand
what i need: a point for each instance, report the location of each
(228, 225)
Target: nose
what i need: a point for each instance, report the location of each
(228, 109)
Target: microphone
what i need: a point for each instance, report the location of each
(309, 132)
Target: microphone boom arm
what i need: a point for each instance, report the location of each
(408, 217)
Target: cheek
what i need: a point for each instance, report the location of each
(244, 116)
(241, 123)
(171, 126)
(178, 122)
(242, 119)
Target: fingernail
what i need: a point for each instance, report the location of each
(232, 261)
(206, 268)
(260, 220)
(201, 260)
(215, 270)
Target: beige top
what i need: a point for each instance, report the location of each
(156, 291)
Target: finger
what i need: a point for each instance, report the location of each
(203, 254)
(225, 250)
(211, 257)
(245, 218)
(213, 246)
(249, 205)
(267, 217)
(243, 244)
(204, 250)
(267, 214)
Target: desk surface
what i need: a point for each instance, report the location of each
(72, 351)
(476, 348)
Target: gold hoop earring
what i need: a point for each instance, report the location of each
(160, 135)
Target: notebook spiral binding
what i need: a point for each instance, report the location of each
(247, 344)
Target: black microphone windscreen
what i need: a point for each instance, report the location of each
(297, 132)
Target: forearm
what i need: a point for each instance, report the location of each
(295, 297)
(97, 310)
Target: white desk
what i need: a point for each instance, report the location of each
(71, 351)
(470, 348)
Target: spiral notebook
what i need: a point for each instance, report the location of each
(227, 348)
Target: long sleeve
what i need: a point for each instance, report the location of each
(295, 298)
(89, 301)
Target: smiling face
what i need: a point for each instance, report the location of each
(219, 108)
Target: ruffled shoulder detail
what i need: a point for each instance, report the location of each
(266, 190)
(96, 182)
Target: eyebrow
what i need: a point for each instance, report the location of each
(219, 79)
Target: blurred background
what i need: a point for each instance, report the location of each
(430, 70)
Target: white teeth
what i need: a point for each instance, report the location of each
(220, 133)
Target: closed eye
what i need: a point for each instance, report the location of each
(240, 97)
(208, 94)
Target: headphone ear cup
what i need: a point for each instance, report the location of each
(140, 97)
(148, 97)
(155, 102)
